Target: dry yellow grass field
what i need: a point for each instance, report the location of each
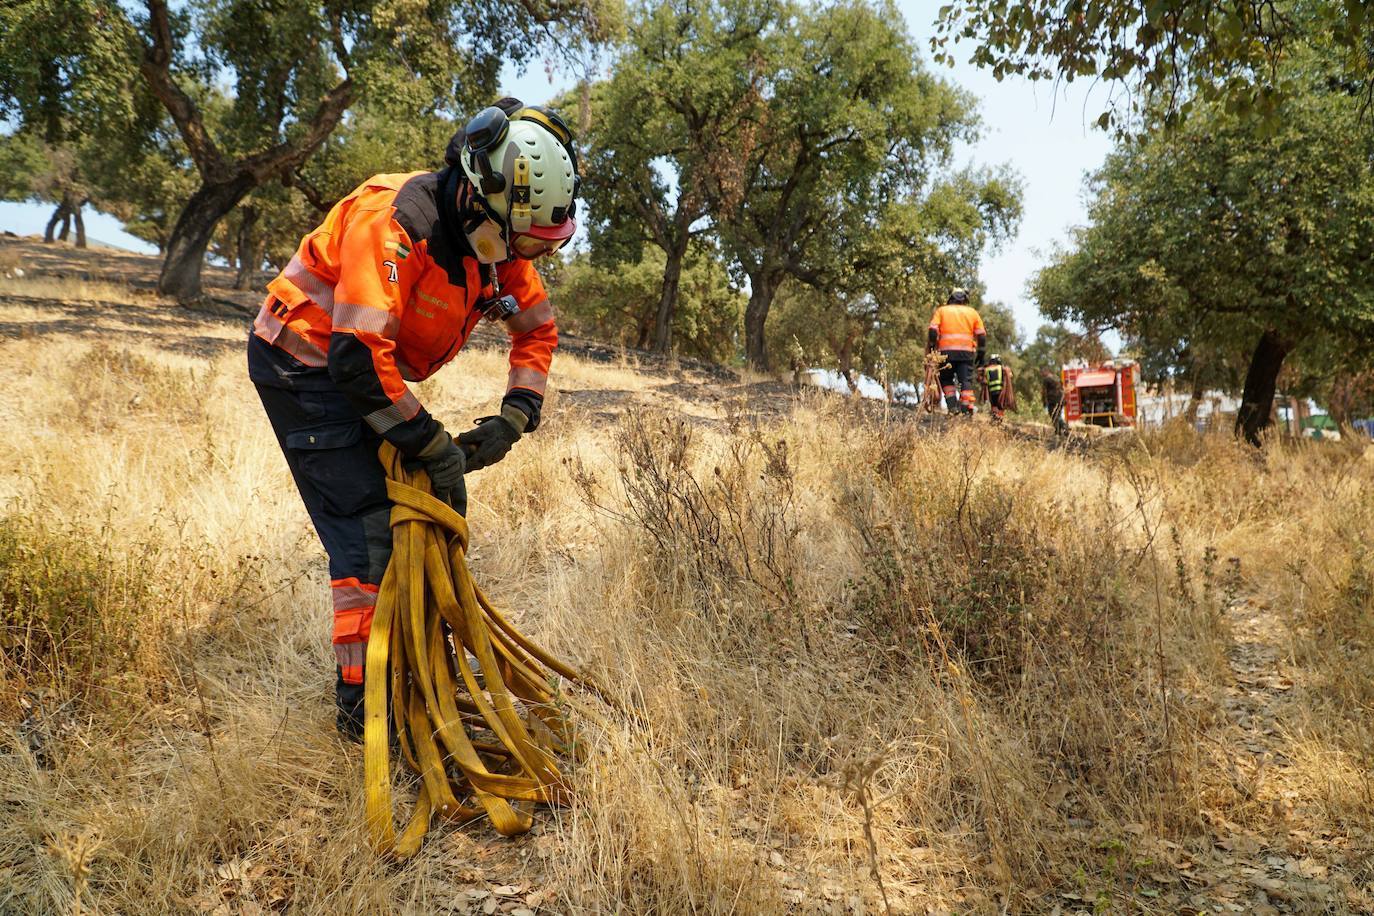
(882, 665)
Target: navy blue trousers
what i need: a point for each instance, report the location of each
(956, 379)
(332, 454)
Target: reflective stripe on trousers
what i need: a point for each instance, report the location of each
(354, 603)
(332, 455)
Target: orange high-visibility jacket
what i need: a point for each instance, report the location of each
(959, 327)
(385, 291)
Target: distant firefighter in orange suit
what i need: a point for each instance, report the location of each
(956, 330)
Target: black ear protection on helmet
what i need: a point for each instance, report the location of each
(488, 128)
(482, 135)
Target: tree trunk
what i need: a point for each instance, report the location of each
(180, 277)
(57, 214)
(224, 182)
(846, 360)
(644, 329)
(1194, 401)
(1261, 380)
(69, 207)
(761, 293)
(80, 224)
(250, 260)
(667, 300)
(1342, 400)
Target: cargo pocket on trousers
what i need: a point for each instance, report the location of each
(341, 464)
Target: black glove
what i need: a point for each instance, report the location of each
(982, 359)
(493, 437)
(445, 463)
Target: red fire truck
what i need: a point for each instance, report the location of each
(1101, 395)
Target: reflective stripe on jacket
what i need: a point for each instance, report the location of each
(385, 291)
(959, 327)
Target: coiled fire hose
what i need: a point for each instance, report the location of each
(495, 735)
(931, 397)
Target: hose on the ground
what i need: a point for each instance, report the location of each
(493, 732)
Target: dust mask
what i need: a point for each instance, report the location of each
(487, 242)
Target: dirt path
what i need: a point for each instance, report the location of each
(1300, 868)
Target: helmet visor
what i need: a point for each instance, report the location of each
(538, 241)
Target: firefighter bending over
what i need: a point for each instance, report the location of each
(385, 292)
(957, 331)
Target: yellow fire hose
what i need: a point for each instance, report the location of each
(932, 398)
(462, 735)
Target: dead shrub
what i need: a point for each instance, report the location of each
(994, 571)
(729, 533)
(110, 384)
(72, 606)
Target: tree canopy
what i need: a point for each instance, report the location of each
(848, 119)
(864, 306)
(1178, 53)
(761, 177)
(620, 301)
(667, 125)
(1222, 238)
(254, 90)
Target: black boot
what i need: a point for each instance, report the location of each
(348, 699)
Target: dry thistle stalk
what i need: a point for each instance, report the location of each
(75, 851)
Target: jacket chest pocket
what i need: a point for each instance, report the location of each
(432, 333)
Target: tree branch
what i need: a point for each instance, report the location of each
(156, 69)
(294, 179)
(288, 155)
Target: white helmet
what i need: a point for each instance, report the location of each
(524, 174)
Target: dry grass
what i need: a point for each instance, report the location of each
(951, 668)
(41, 287)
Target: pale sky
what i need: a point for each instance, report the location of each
(1047, 138)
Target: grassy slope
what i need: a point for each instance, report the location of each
(943, 664)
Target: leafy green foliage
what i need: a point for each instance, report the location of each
(867, 304)
(1206, 238)
(67, 87)
(1180, 52)
(65, 67)
(618, 302)
(667, 126)
(23, 163)
(848, 122)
